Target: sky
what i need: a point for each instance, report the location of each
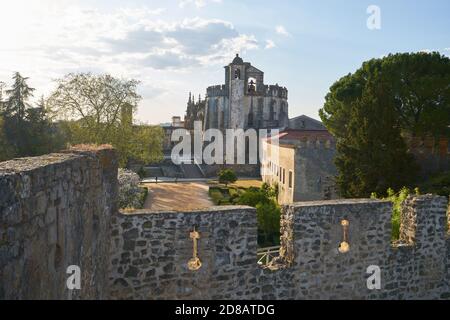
(179, 46)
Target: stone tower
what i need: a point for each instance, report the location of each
(244, 101)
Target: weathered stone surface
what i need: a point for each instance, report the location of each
(50, 220)
(310, 265)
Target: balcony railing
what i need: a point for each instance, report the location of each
(266, 255)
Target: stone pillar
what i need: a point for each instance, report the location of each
(424, 221)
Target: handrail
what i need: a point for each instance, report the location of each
(262, 250)
(268, 254)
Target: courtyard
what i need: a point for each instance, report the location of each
(177, 196)
(186, 195)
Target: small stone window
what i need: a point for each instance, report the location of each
(251, 87)
(344, 247)
(291, 179)
(237, 74)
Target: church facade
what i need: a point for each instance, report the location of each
(245, 102)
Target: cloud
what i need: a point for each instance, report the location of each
(139, 43)
(197, 3)
(126, 37)
(185, 44)
(269, 44)
(197, 36)
(167, 60)
(282, 31)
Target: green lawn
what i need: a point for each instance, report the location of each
(222, 195)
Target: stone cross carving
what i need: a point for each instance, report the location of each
(194, 263)
(344, 246)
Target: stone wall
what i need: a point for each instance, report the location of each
(60, 210)
(419, 259)
(151, 251)
(55, 212)
(314, 171)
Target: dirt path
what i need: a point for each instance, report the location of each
(178, 196)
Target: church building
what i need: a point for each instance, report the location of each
(244, 101)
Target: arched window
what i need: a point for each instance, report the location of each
(237, 74)
(251, 85)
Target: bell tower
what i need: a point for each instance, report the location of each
(236, 72)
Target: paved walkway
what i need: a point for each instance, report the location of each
(178, 196)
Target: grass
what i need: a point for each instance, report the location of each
(247, 184)
(226, 195)
(222, 195)
(239, 184)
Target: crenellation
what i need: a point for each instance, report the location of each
(217, 91)
(315, 143)
(310, 264)
(61, 213)
(53, 220)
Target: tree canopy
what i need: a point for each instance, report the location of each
(99, 109)
(227, 176)
(268, 212)
(25, 129)
(370, 110)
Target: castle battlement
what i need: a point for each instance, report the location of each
(58, 210)
(316, 143)
(312, 264)
(217, 91)
(275, 91)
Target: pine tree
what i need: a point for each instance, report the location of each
(14, 114)
(18, 95)
(370, 111)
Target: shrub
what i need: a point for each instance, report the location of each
(397, 200)
(227, 176)
(131, 195)
(263, 199)
(438, 184)
(142, 173)
(216, 195)
(268, 213)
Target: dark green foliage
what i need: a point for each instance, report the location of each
(268, 213)
(368, 112)
(26, 130)
(224, 196)
(267, 210)
(437, 184)
(227, 176)
(143, 196)
(141, 173)
(397, 199)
